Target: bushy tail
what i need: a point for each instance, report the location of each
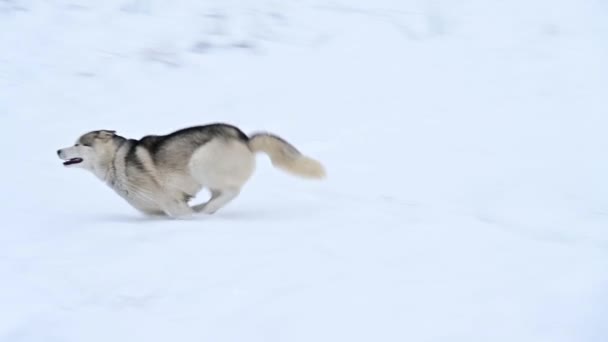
(286, 157)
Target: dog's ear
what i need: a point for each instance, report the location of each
(106, 134)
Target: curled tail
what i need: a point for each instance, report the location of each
(286, 157)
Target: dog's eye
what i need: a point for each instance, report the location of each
(87, 145)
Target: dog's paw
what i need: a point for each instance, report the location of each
(203, 208)
(180, 213)
(183, 217)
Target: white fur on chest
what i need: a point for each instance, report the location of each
(133, 188)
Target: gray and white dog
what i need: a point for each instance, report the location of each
(160, 174)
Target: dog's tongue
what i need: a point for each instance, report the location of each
(73, 161)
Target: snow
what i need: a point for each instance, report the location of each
(465, 144)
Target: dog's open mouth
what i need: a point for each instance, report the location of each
(73, 161)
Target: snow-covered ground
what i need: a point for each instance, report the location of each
(465, 143)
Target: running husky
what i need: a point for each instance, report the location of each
(159, 175)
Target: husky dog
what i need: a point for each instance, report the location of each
(160, 174)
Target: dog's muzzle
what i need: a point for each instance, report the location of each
(71, 161)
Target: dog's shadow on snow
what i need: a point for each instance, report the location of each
(233, 215)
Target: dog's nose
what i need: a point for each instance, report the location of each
(59, 152)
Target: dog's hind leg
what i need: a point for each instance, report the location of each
(219, 198)
(224, 167)
(199, 207)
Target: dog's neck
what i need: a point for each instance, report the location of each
(105, 168)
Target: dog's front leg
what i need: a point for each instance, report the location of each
(176, 209)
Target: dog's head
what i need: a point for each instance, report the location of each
(90, 150)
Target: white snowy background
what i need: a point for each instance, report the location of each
(466, 144)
